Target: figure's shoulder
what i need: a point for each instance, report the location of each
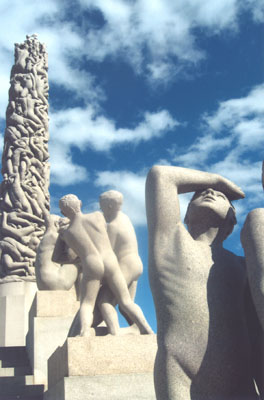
(95, 216)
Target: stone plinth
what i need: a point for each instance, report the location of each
(15, 302)
(51, 315)
(112, 367)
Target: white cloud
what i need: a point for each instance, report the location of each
(85, 128)
(237, 126)
(232, 112)
(63, 171)
(233, 133)
(161, 29)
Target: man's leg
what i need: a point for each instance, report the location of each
(116, 281)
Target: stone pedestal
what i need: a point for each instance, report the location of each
(50, 318)
(15, 302)
(106, 367)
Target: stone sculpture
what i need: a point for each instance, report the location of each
(198, 289)
(49, 274)
(24, 199)
(124, 244)
(252, 242)
(58, 267)
(87, 236)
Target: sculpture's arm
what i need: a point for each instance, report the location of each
(63, 254)
(163, 185)
(252, 242)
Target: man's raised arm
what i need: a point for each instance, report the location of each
(163, 185)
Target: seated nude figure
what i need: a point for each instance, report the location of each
(124, 244)
(49, 274)
(86, 235)
(198, 289)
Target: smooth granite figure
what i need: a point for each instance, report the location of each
(252, 242)
(49, 274)
(124, 244)
(86, 235)
(198, 289)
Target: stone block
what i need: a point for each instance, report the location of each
(15, 302)
(57, 303)
(105, 355)
(100, 387)
(50, 319)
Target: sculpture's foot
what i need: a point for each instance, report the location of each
(86, 332)
(130, 330)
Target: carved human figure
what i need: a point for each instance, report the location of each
(86, 235)
(49, 274)
(252, 242)
(198, 289)
(124, 244)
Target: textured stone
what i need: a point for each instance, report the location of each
(59, 303)
(15, 302)
(50, 319)
(104, 387)
(252, 241)
(25, 168)
(106, 355)
(198, 287)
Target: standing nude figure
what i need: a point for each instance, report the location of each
(124, 244)
(86, 235)
(252, 237)
(198, 289)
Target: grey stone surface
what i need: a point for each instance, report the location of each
(105, 366)
(103, 356)
(252, 241)
(104, 387)
(198, 289)
(50, 318)
(25, 168)
(15, 302)
(49, 274)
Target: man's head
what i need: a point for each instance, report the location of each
(214, 205)
(70, 205)
(110, 201)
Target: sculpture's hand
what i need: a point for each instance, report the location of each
(231, 190)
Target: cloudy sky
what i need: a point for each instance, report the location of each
(137, 82)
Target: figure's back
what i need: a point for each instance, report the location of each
(122, 235)
(87, 234)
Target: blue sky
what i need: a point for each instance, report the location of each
(136, 83)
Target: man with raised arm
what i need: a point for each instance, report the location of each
(198, 289)
(86, 235)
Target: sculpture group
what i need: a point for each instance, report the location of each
(209, 302)
(102, 248)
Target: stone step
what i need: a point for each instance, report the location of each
(13, 357)
(19, 389)
(15, 371)
(16, 380)
(20, 397)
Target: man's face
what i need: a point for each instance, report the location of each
(212, 200)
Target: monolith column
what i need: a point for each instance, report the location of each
(24, 196)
